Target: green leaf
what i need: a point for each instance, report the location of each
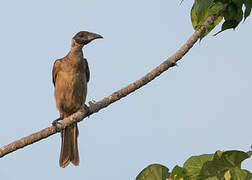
(203, 5)
(237, 6)
(250, 153)
(222, 162)
(201, 10)
(240, 174)
(194, 17)
(235, 157)
(231, 12)
(239, 15)
(229, 24)
(154, 172)
(212, 178)
(233, 15)
(238, 3)
(213, 168)
(214, 8)
(248, 5)
(194, 164)
(222, 1)
(178, 173)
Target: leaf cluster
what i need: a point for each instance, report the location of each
(219, 166)
(232, 14)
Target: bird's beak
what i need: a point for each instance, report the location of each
(93, 36)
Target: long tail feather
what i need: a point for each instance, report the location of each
(69, 146)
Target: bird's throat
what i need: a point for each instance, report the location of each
(76, 52)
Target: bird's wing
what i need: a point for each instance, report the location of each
(87, 70)
(56, 69)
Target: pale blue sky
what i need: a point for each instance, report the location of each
(201, 106)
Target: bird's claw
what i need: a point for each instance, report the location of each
(56, 121)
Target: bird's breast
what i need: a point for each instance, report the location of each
(70, 90)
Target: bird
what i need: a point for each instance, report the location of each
(70, 77)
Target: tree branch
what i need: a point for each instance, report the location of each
(83, 112)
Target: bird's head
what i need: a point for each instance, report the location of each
(84, 37)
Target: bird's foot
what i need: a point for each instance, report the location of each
(56, 121)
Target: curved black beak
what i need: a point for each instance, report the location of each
(93, 36)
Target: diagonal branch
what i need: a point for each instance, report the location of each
(83, 113)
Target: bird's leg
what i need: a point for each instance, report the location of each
(84, 107)
(56, 121)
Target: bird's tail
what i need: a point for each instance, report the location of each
(69, 147)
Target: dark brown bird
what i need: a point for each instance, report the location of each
(70, 77)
